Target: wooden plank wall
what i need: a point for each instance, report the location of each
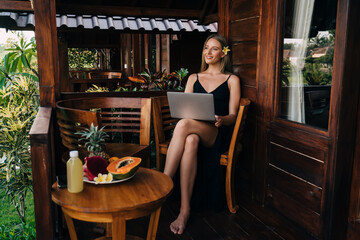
(243, 37)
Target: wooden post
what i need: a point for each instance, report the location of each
(146, 51)
(345, 91)
(165, 52)
(47, 51)
(43, 173)
(158, 53)
(65, 84)
(41, 138)
(126, 54)
(137, 54)
(224, 18)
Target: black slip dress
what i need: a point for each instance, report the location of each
(208, 190)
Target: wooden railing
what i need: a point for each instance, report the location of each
(83, 80)
(43, 172)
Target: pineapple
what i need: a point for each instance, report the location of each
(94, 141)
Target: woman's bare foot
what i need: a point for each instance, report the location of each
(178, 226)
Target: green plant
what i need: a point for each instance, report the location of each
(180, 75)
(121, 89)
(19, 232)
(285, 73)
(160, 80)
(82, 58)
(18, 108)
(94, 139)
(96, 88)
(21, 60)
(315, 75)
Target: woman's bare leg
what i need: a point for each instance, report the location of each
(188, 167)
(185, 127)
(183, 150)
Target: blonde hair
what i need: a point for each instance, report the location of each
(225, 61)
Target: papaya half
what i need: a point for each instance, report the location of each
(124, 167)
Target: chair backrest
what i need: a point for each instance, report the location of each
(117, 115)
(235, 143)
(163, 122)
(104, 75)
(71, 121)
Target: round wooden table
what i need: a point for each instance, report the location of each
(115, 203)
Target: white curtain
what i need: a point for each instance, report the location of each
(301, 28)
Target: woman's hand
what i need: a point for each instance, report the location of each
(219, 121)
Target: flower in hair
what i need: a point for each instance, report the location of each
(226, 50)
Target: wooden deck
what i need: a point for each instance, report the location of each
(201, 226)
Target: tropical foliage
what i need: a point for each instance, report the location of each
(22, 232)
(19, 102)
(160, 80)
(19, 105)
(20, 61)
(82, 58)
(96, 88)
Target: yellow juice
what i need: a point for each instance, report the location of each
(74, 172)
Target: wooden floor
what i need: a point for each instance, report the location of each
(205, 226)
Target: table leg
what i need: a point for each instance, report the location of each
(70, 225)
(153, 224)
(119, 228)
(108, 230)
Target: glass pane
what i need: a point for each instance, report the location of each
(307, 61)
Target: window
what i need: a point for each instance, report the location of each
(307, 61)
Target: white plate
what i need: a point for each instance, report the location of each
(113, 181)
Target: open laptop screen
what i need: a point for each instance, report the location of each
(199, 106)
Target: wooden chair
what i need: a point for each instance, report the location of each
(163, 126)
(163, 123)
(128, 119)
(230, 157)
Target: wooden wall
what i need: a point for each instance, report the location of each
(294, 177)
(243, 37)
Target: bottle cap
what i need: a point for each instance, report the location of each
(74, 153)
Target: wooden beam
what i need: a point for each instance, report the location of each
(6, 5)
(204, 11)
(224, 17)
(210, 19)
(126, 11)
(47, 51)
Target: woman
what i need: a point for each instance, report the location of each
(191, 135)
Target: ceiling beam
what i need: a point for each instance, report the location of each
(7, 5)
(126, 11)
(210, 19)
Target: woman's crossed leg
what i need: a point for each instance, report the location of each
(182, 151)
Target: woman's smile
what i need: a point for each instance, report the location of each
(212, 51)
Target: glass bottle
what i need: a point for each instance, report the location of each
(74, 172)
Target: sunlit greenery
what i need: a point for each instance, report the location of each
(82, 58)
(316, 70)
(19, 102)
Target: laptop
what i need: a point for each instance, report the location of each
(199, 106)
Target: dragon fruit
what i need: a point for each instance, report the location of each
(93, 166)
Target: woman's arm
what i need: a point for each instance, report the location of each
(234, 102)
(190, 83)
